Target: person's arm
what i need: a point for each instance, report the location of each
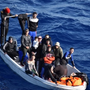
(72, 60)
(52, 77)
(67, 56)
(52, 58)
(22, 41)
(61, 52)
(30, 41)
(5, 47)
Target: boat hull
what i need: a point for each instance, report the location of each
(37, 80)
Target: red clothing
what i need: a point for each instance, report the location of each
(49, 58)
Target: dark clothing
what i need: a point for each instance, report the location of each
(44, 41)
(39, 51)
(48, 73)
(22, 20)
(59, 71)
(24, 50)
(58, 52)
(44, 49)
(4, 25)
(66, 58)
(33, 23)
(25, 41)
(10, 49)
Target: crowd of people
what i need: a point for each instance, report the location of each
(44, 59)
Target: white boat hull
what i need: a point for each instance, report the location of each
(37, 80)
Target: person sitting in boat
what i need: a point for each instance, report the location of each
(10, 48)
(33, 24)
(55, 73)
(30, 66)
(25, 45)
(48, 59)
(59, 71)
(58, 52)
(45, 39)
(68, 55)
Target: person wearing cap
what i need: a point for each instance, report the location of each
(58, 53)
(25, 45)
(5, 23)
(33, 24)
(10, 48)
(68, 56)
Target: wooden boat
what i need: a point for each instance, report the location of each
(37, 80)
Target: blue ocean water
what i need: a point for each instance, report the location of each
(66, 21)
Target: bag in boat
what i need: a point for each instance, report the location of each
(83, 76)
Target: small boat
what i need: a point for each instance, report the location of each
(17, 68)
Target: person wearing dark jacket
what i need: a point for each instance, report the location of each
(44, 46)
(25, 44)
(4, 23)
(59, 71)
(45, 39)
(58, 53)
(22, 20)
(48, 59)
(10, 48)
(68, 55)
(33, 24)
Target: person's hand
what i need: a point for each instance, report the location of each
(74, 67)
(27, 47)
(26, 13)
(5, 18)
(16, 15)
(33, 53)
(5, 53)
(33, 74)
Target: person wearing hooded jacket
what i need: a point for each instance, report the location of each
(5, 23)
(10, 48)
(58, 53)
(48, 59)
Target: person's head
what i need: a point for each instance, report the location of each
(71, 50)
(7, 10)
(10, 39)
(46, 36)
(33, 57)
(49, 48)
(34, 14)
(36, 38)
(47, 41)
(57, 44)
(26, 31)
(40, 38)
